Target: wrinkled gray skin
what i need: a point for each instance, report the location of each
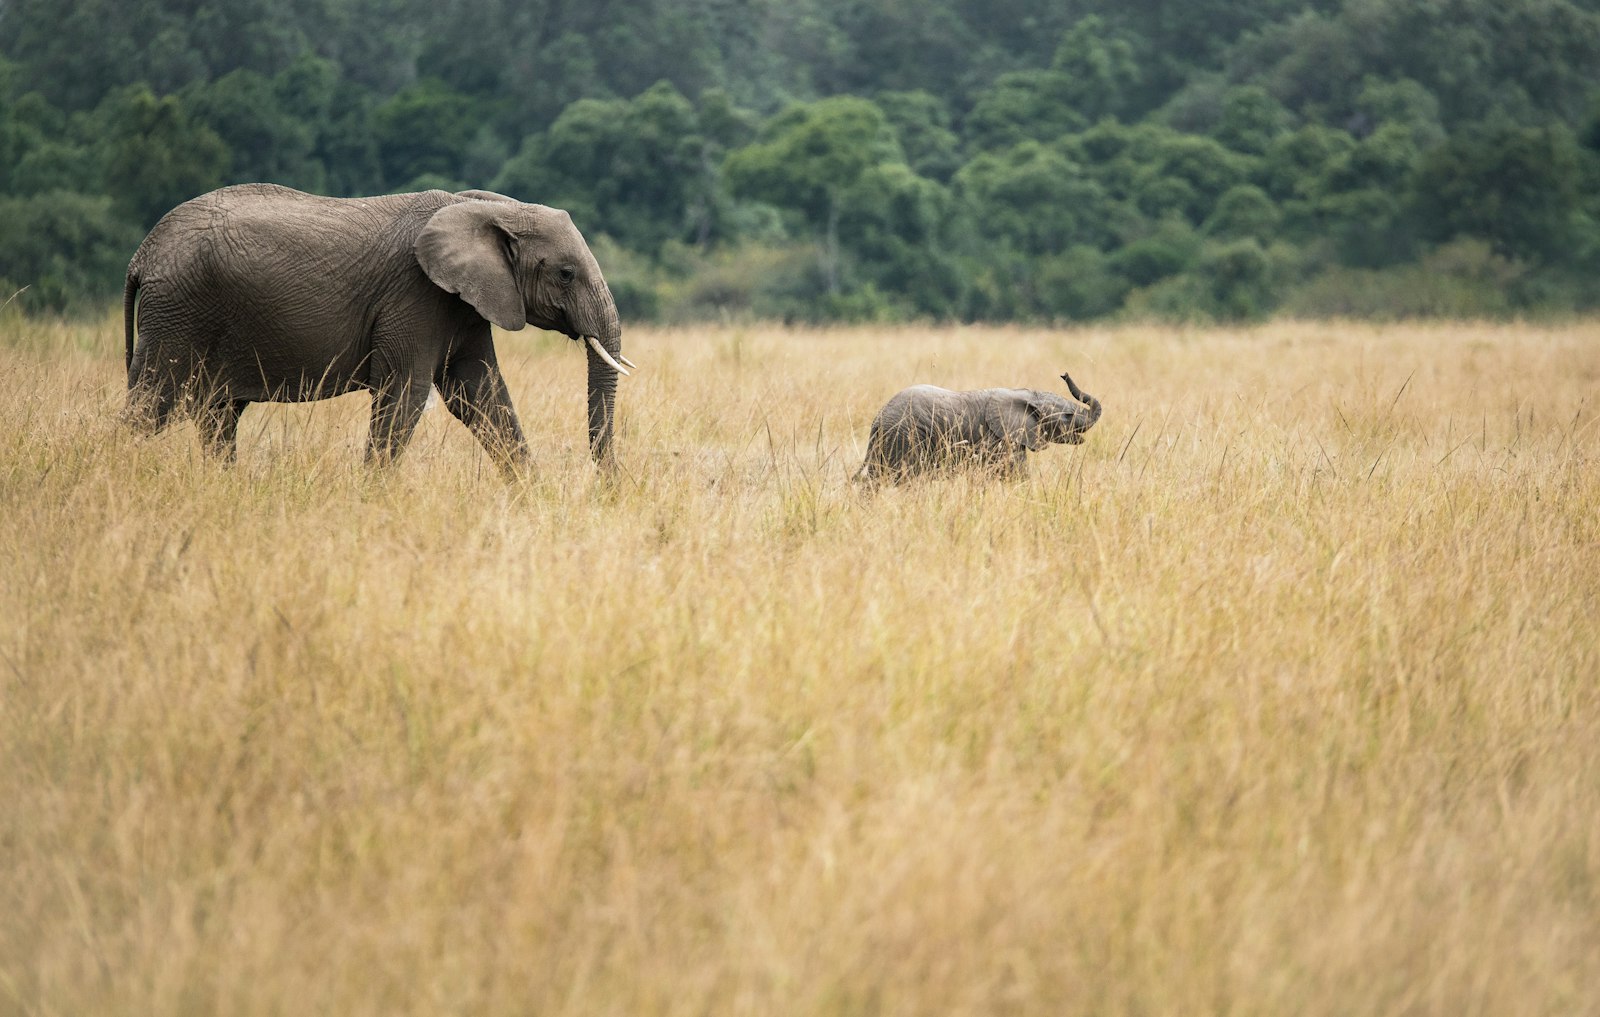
(925, 428)
(260, 293)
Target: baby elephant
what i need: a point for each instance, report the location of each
(926, 428)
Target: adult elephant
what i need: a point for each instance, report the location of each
(260, 293)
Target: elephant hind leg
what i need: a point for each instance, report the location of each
(161, 381)
(149, 409)
(219, 427)
(880, 462)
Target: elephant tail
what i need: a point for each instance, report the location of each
(130, 301)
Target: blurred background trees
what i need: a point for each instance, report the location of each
(856, 159)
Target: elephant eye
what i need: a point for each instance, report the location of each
(567, 273)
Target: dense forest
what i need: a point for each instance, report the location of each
(856, 159)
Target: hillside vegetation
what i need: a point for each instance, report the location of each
(1276, 696)
(836, 160)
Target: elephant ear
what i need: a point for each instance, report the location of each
(464, 249)
(1013, 418)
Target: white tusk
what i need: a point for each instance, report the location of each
(594, 344)
(623, 357)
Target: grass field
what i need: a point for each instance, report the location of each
(1280, 695)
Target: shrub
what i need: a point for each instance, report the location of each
(1464, 279)
(68, 249)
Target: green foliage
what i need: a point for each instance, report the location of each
(1168, 250)
(425, 128)
(1099, 66)
(69, 250)
(1251, 120)
(347, 144)
(1515, 187)
(809, 159)
(955, 158)
(39, 153)
(638, 170)
(1079, 284)
(155, 154)
(1238, 279)
(1404, 103)
(1034, 105)
(1244, 211)
(1035, 199)
(810, 154)
(893, 223)
(1464, 279)
(1186, 174)
(1295, 163)
(921, 123)
(265, 140)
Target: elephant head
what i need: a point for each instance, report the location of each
(519, 264)
(1033, 419)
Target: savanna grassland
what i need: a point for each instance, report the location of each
(1280, 695)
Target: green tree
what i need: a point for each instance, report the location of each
(1100, 68)
(1312, 63)
(1033, 105)
(807, 159)
(347, 145)
(69, 250)
(1533, 60)
(1294, 162)
(638, 170)
(155, 155)
(1037, 201)
(1358, 202)
(921, 122)
(266, 142)
(74, 53)
(1244, 212)
(1170, 248)
(1516, 187)
(893, 222)
(425, 128)
(899, 47)
(1238, 278)
(1078, 284)
(1403, 102)
(17, 138)
(1186, 174)
(41, 149)
(1251, 120)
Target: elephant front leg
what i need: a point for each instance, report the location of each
(475, 392)
(396, 408)
(1016, 464)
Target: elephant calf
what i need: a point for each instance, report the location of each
(925, 428)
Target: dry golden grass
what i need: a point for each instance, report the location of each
(1278, 696)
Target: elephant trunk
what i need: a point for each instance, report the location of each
(603, 369)
(1083, 421)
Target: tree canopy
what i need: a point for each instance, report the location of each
(825, 159)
